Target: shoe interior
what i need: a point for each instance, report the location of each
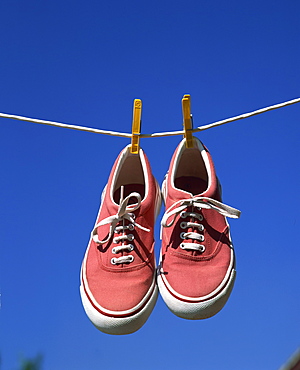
(130, 178)
(191, 174)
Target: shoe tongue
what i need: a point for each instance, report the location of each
(123, 191)
(192, 185)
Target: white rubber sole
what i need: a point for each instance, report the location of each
(196, 310)
(118, 325)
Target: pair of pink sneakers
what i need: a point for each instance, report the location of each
(196, 271)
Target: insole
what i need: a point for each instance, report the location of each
(128, 189)
(192, 184)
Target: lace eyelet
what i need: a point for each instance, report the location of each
(130, 227)
(201, 227)
(115, 241)
(131, 259)
(183, 214)
(130, 237)
(202, 248)
(201, 238)
(182, 246)
(183, 225)
(113, 251)
(113, 261)
(182, 235)
(131, 247)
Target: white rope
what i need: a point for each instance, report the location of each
(246, 115)
(64, 125)
(227, 120)
(157, 134)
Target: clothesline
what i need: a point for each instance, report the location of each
(157, 134)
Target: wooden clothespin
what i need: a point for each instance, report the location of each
(187, 121)
(136, 126)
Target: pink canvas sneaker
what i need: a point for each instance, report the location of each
(118, 287)
(197, 265)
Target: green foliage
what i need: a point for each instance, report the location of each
(32, 364)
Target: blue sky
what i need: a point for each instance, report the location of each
(83, 63)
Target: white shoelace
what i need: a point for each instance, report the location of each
(178, 208)
(125, 212)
